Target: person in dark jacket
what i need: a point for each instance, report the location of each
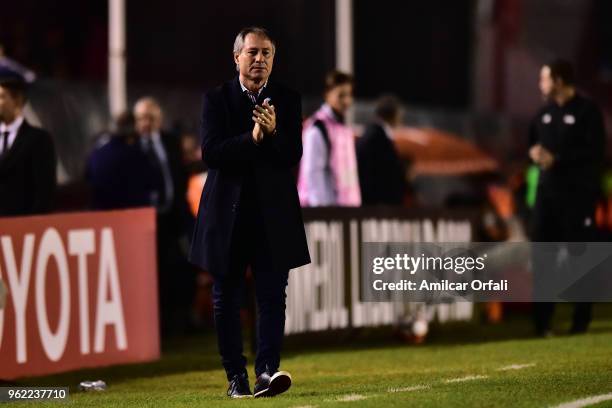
(249, 214)
(382, 175)
(567, 139)
(118, 171)
(176, 275)
(27, 154)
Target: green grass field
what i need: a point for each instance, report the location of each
(467, 365)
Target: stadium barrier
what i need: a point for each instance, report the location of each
(82, 291)
(325, 295)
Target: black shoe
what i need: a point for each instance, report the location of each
(270, 385)
(239, 387)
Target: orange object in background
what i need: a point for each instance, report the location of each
(494, 312)
(603, 214)
(502, 200)
(435, 152)
(195, 185)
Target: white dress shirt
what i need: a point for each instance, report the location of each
(244, 88)
(12, 128)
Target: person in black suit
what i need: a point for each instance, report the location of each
(567, 139)
(164, 152)
(118, 171)
(27, 155)
(249, 214)
(176, 275)
(382, 175)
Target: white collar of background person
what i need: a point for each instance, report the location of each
(8, 133)
(332, 114)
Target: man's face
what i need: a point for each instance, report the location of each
(340, 97)
(9, 105)
(147, 118)
(547, 84)
(256, 58)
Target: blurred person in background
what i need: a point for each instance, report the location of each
(117, 169)
(328, 170)
(176, 276)
(382, 175)
(164, 152)
(249, 214)
(567, 139)
(27, 154)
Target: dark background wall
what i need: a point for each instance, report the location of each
(60, 39)
(420, 50)
(192, 44)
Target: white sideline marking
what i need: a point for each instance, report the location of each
(408, 389)
(586, 401)
(515, 367)
(466, 378)
(306, 406)
(351, 397)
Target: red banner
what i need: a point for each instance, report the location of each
(82, 291)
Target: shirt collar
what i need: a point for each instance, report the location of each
(12, 127)
(244, 88)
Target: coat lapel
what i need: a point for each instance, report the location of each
(240, 107)
(268, 92)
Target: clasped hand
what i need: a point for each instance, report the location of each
(264, 117)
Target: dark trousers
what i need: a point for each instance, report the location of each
(559, 218)
(250, 248)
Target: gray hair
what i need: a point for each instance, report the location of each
(262, 32)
